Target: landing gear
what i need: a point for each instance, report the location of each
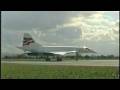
(77, 55)
(47, 59)
(59, 58)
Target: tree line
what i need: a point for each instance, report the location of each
(86, 57)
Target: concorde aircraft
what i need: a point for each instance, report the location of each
(34, 48)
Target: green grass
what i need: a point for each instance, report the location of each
(22, 71)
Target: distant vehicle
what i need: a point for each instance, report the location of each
(33, 48)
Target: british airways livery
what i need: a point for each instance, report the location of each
(33, 48)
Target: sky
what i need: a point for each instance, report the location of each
(98, 30)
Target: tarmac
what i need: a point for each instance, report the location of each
(70, 63)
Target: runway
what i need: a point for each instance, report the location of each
(70, 63)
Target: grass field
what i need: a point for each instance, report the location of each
(22, 71)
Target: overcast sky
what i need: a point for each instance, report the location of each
(96, 30)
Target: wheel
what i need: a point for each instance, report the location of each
(59, 58)
(47, 59)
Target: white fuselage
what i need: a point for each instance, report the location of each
(56, 49)
(36, 48)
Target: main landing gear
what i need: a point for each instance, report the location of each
(47, 58)
(58, 58)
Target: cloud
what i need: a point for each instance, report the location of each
(25, 20)
(91, 28)
(22, 20)
(60, 35)
(96, 27)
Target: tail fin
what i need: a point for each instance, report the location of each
(27, 39)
